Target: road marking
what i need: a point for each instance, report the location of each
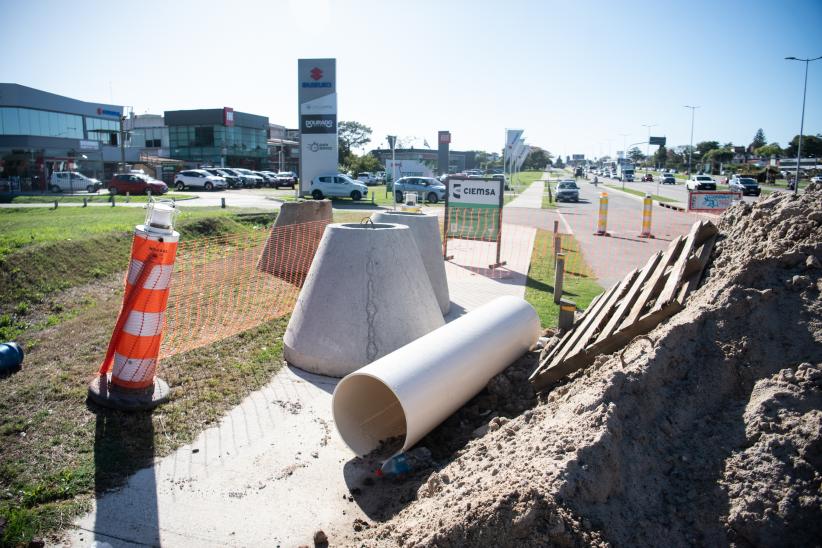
(564, 222)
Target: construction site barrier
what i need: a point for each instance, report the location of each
(602, 219)
(647, 211)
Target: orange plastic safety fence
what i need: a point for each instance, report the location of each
(228, 284)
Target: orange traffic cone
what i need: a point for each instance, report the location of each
(135, 342)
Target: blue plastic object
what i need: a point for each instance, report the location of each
(395, 466)
(11, 357)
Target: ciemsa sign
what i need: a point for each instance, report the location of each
(473, 211)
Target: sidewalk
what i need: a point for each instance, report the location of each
(274, 470)
(530, 198)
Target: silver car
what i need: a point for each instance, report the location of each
(428, 188)
(567, 191)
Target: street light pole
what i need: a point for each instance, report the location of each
(648, 144)
(691, 147)
(802, 123)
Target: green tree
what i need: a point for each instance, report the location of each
(811, 146)
(635, 155)
(705, 146)
(767, 151)
(759, 140)
(558, 162)
(366, 162)
(351, 135)
(661, 156)
(718, 156)
(537, 159)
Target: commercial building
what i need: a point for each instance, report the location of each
(283, 148)
(41, 132)
(457, 161)
(218, 136)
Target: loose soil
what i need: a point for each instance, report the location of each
(708, 431)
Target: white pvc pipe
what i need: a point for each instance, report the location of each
(413, 389)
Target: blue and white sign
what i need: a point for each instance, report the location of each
(319, 145)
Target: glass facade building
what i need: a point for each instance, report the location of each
(218, 136)
(42, 132)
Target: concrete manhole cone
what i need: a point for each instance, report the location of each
(295, 235)
(367, 294)
(426, 231)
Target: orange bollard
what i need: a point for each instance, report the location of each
(126, 378)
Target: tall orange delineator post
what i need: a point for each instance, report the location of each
(647, 209)
(602, 221)
(127, 379)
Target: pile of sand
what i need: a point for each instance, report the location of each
(707, 431)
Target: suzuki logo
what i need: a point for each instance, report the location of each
(316, 73)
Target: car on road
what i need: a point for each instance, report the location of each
(198, 178)
(73, 180)
(136, 183)
(233, 181)
(500, 177)
(745, 185)
(428, 188)
(286, 178)
(647, 178)
(337, 186)
(567, 191)
(700, 182)
(367, 177)
(667, 179)
(817, 179)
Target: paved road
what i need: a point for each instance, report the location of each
(676, 192)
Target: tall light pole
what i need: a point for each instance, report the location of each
(802, 123)
(648, 144)
(691, 147)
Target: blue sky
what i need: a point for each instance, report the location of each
(575, 75)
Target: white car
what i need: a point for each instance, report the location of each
(337, 186)
(700, 182)
(367, 178)
(198, 178)
(73, 180)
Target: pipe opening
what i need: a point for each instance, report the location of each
(368, 414)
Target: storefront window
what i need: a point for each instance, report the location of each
(25, 121)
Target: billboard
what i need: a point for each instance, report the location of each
(444, 141)
(473, 209)
(657, 141)
(578, 157)
(317, 98)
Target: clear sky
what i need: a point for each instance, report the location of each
(575, 75)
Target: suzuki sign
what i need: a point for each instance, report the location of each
(319, 145)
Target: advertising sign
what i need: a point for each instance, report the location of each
(228, 116)
(319, 146)
(473, 209)
(578, 157)
(712, 202)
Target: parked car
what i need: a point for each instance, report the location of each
(567, 191)
(136, 183)
(269, 180)
(233, 181)
(250, 178)
(198, 178)
(286, 178)
(337, 186)
(745, 185)
(817, 179)
(73, 180)
(667, 179)
(367, 177)
(428, 188)
(700, 182)
(647, 178)
(503, 178)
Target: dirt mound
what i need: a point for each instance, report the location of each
(707, 431)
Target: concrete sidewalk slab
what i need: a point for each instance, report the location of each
(531, 197)
(274, 470)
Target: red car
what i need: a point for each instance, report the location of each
(136, 183)
(648, 178)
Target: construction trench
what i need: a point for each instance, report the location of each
(706, 430)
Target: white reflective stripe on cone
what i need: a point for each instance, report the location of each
(158, 278)
(144, 324)
(133, 370)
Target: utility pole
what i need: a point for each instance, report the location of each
(122, 144)
(691, 147)
(802, 123)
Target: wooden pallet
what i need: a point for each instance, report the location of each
(632, 307)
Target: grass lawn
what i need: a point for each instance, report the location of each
(377, 196)
(641, 194)
(61, 286)
(579, 285)
(103, 197)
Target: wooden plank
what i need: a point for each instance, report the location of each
(630, 297)
(580, 331)
(604, 313)
(698, 266)
(652, 286)
(668, 292)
